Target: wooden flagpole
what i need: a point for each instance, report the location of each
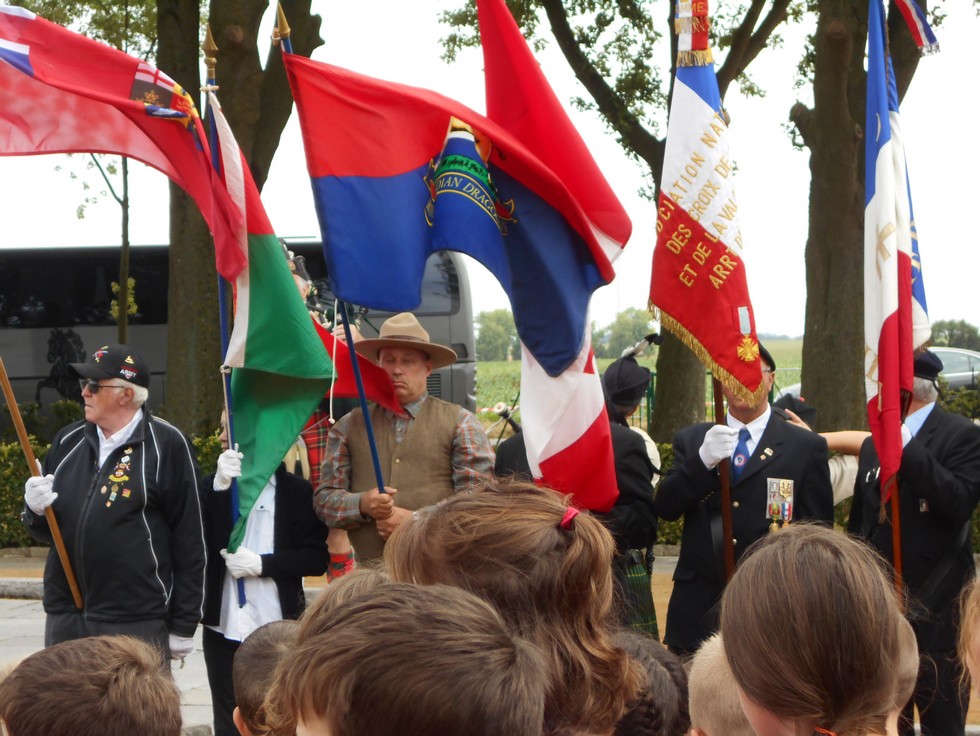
(724, 478)
(25, 444)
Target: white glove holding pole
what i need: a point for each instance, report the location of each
(229, 466)
(180, 646)
(39, 491)
(242, 563)
(719, 444)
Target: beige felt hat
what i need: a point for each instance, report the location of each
(404, 331)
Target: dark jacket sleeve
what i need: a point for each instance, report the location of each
(305, 553)
(687, 482)
(182, 511)
(951, 487)
(816, 499)
(632, 520)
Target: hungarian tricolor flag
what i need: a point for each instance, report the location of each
(280, 369)
(698, 280)
(65, 93)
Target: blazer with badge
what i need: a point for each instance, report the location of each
(788, 461)
(939, 488)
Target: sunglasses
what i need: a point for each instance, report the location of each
(94, 386)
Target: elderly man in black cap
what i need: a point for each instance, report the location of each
(938, 489)
(123, 486)
(779, 474)
(434, 450)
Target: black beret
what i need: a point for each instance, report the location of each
(625, 382)
(927, 365)
(764, 354)
(803, 410)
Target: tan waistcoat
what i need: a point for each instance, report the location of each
(421, 467)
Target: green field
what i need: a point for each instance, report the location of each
(500, 380)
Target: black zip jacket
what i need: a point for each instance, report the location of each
(132, 528)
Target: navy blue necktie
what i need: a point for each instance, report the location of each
(741, 457)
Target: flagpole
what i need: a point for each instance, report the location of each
(281, 34)
(32, 464)
(210, 49)
(724, 478)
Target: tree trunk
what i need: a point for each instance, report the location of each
(833, 131)
(193, 389)
(680, 389)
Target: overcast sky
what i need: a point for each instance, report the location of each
(400, 41)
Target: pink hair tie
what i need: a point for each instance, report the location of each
(824, 731)
(566, 521)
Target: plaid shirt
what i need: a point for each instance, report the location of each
(314, 436)
(338, 507)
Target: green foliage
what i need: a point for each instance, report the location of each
(13, 473)
(628, 328)
(964, 401)
(30, 413)
(131, 298)
(496, 335)
(955, 334)
(131, 26)
(207, 447)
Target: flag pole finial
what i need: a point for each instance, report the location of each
(282, 30)
(210, 49)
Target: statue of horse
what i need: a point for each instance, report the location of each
(64, 347)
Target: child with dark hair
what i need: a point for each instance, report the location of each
(815, 636)
(416, 661)
(252, 673)
(661, 708)
(97, 686)
(548, 570)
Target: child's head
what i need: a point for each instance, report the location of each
(715, 710)
(814, 611)
(416, 660)
(969, 638)
(99, 686)
(548, 571)
(661, 708)
(252, 671)
(907, 671)
(357, 581)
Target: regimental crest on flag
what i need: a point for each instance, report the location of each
(461, 171)
(162, 96)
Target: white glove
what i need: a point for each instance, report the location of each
(906, 435)
(180, 646)
(229, 466)
(719, 444)
(39, 491)
(242, 563)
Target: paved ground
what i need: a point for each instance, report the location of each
(22, 630)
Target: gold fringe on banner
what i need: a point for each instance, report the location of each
(726, 378)
(694, 24)
(700, 57)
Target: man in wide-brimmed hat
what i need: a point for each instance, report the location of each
(434, 450)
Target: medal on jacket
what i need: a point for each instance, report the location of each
(779, 502)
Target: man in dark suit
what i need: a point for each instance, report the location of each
(939, 485)
(779, 475)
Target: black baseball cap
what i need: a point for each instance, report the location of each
(114, 361)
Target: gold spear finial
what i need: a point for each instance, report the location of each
(282, 29)
(210, 48)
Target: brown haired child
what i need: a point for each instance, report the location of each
(415, 661)
(814, 635)
(97, 686)
(548, 570)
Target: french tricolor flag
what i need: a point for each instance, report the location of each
(894, 323)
